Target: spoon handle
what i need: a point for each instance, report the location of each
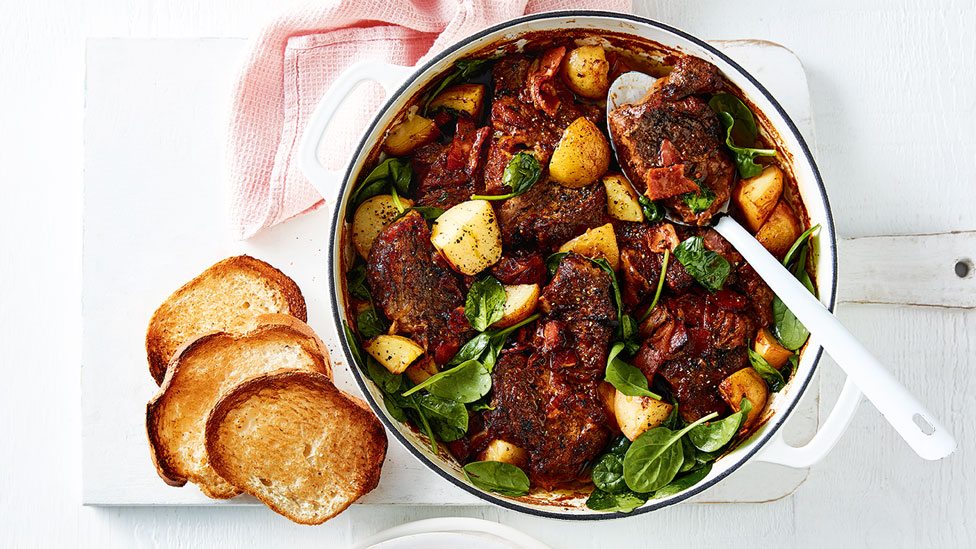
(918, 426)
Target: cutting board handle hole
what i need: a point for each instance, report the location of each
(964, 268)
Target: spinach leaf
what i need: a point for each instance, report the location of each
(770, 375)
(486, 346)
(624, 502)
(392, 173)
(485, 303)
(465, 383)
(683, 482)
(552, 262)
(653, 211)
(394, 407)
(608, 474)
(619, 446)
(356, 283)
(522, 172)
(627, 379)
(448, 418)
(387, 382)
(370, 324)
(660, 284)
(463, 68)
(710, 437)
(654, 457)
(744, 157)
(706, 266)
(495, 476)
(701, 200)
(801, 241)
(357, 353)
(472, 349)
(744, 130)
(690, 454)
(787, 328)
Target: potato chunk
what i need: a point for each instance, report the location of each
(745, 383)
(505, 452)
(462, 98)
(757, 196)
(371, 217)
(770, 349)
(594, 243)
(622, 199)
(520, 302)
(581, 156)
(421, 369)
(780, 230)
(585, 70)
(394, 352)
(636, 414)
(411, 132)
(467, 236)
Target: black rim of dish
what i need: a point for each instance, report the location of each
(377, 407)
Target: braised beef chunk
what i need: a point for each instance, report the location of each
(549, 214)
(672, 140)
(414, 287)
(560, 424)
(529, 268)
(455, 173)
(509, 74)
(694, 380)
(641, 255)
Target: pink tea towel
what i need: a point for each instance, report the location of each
(298, 56)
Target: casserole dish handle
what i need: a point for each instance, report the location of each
(779, 452)
(325, 181)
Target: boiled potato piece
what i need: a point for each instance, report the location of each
(467, 236)
(780, 230)
(636, 414)
(371, 217)
(581, 156)
(770, 349)
(585, 70)
(413, 131)
(745, 383)
(462, 98)
(594, 243)
(505, 452)
(757, 196)
(520, 303)
(421, 369)
(394, 352)
(622, 202)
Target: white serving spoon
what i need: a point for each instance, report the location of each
(918, 426)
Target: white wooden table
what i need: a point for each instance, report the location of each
(891, 92)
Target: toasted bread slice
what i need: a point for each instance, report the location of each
(204, 369)
(294, 441)
(224, 298)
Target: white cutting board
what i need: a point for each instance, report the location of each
(155, 216)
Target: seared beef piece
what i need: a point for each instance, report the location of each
(694, 380)
(414, 287)
(579, 296)
(560, 424)
(549, 214)
(760, 294)
(509, 74)
(533, 129)
(520, 269)
(672, 138)
(454, 176)
(719, 315)
(691, 76)
(641, 255)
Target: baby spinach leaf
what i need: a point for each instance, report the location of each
(389, 174)
(787, 328)
(801, 241)
(552, 262)
(396, 410)
(654, 457)
(712, 436)
(706, 266)
(619, 446)
(653, 211)
(356, 283)
(370, 324)
(448, 418)
(684, 482)
(660, 284)
(770, 375)
(744, 157)
(495, 476)
(463, 68)
(701, 200)
(520, 174)
(624, 502)
(472, 349)
(627, 379)
(387, 382)
(744, 130)
(465, 383)
(690, 454)
(608, 474)
(485, 303)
